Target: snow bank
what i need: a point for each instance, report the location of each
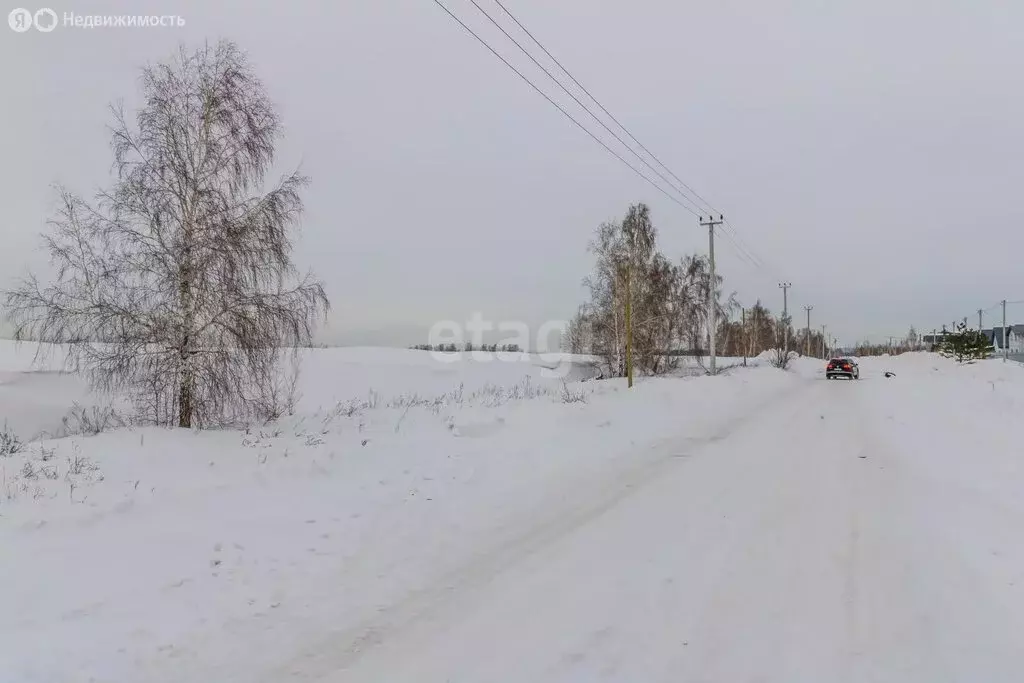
(165, 555)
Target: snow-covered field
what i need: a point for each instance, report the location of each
(491, 521)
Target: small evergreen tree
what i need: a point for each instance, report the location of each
(965, 345)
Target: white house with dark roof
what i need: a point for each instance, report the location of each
(1011, 338)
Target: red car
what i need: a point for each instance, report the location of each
(842, 367)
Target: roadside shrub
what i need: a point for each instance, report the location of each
(91, 421)
(9, 442)
(570, 396)
(780, 359)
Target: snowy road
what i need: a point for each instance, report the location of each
(759, 527)
(855, 531)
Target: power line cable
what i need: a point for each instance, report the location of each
(742, 242)
(710, 208)
(744, 256)
(560, 108)
(735, 238)
(697, 209)
(744, 253)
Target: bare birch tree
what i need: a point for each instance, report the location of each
(668, 301)
(577, 338)
(177, 285)
(694, 287)
(607, 299)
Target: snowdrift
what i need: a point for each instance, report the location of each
(154, 554)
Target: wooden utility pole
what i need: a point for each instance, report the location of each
(629, 328)
(1006, 345)
(746, 336)
(807, 342)
(756, 344)
(785, 315)
(710, 224)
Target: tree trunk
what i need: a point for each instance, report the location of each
(185, 395)
(186, 388)
(629, 331)
(187, 379)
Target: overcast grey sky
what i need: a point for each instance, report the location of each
(871, 152)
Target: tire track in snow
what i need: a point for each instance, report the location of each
(454, 590)
(780, 608)
(798, 560)
(930, 608)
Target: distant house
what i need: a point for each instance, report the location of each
(1010, 338)
(1013, 335)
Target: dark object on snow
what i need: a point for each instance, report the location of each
(890, 374)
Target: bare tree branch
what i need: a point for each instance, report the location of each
(178, 285)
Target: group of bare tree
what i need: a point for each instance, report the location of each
(177, 284)
(468, 347)
(911, 342)
(647, 310)
(757, 330)
(643, 307)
